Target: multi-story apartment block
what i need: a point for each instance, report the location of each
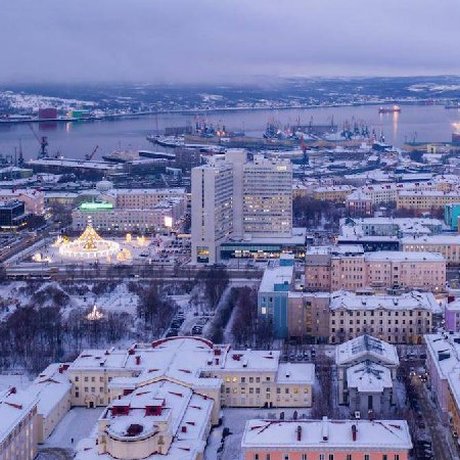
(308, 315)
(212, 209)
(395, 319)
(397, 269)
(348, 267)
(233, 198)
(18, 425)
(443, 357)
(452, 315)
(335, 193)
(326, 440)
(425, 200)
(447, 245)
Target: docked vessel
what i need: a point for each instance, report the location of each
(393, 109)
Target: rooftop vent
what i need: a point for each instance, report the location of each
(354, 432)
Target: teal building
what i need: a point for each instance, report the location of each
(451, 215)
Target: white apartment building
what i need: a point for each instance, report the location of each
(236, 198)
(212, 209)
(18, 425)
(395, 319)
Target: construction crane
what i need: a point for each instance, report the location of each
(89, 156)
(42, 141)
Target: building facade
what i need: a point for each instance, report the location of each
(401, 319)
(326, 440)
(237, 199)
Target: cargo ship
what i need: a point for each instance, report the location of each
(393, 109)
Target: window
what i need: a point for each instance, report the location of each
(331, 456)
(256, 456)
(267, 457)
(76, 378)
(348, 456)
(321, 457)
(286, 457)
(396, 457)
(304, 456)
(367, 457)
(384, 457)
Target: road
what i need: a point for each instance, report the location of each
(443, 448)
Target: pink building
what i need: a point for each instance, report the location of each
(452, 316)
(326, 440)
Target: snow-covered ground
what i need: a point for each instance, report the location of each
(77, 424)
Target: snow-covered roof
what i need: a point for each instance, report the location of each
(407, 301)
(300, 373)
(183, 359)
(50, 387)
(326, 434)
(369, 377)
(14, 406)
(444, 350)
(176, 407)
(277, 275)
(401, 256)
(366, 347)
(433, 239)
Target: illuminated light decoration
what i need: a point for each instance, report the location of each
(141, 241)
(89, 245)
(95, 314)
(168, 221)
(124, 255)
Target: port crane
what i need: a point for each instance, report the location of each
(42, 141)
(89, 156)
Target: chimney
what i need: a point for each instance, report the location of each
(138, 360)
(299, 433)
(217, 361)
(354, 432)
(184, 429)
(325, 429)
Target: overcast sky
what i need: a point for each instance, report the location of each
(181, 41)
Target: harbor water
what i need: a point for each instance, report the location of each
(421, 123)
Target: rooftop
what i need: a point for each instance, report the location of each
(14, 406)
(366, 347)
(407, 301)
(444, 350)
(369, 377)
(401, 256)
(324, 434)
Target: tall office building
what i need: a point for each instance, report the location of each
(267, 198)
(233, 197)
(212, 209)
